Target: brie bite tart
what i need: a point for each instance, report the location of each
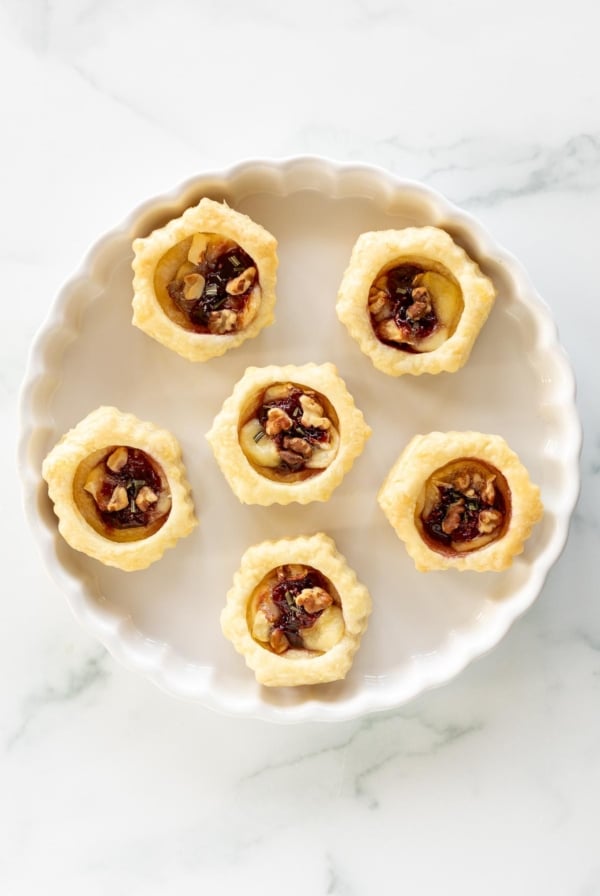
(287, 434)
(461, 500)
(119, 489)
(205, 281)
(413, 300)
(296, 611)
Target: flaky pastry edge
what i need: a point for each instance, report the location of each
(206, 217)
(376, 249)
(109, 426)
(249, 486)
(273, 670)
(424, 454)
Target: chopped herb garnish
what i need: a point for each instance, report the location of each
(235, 261)
(211, 290)
(259, 435)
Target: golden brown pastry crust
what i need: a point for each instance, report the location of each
(207, 217)
(109, 426)
(250, 486)
(375, 250)
(296, 667)
(400, 494)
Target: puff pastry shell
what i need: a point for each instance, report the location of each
(296, 667)
(207, 217)
(401, 498)
(246, 482)
(104, 427)
(433, 249)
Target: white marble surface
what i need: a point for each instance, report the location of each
(490, 784)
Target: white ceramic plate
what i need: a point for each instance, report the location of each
(425, 628)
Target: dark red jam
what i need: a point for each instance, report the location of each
(466, 510)
(292, 407)
(218, 272)
(406, 311)
(137, 473)
(293, 618)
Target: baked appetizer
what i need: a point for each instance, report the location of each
(296, 611)
(205, 282)
(413, 300)
(460, 500)
(287, 434)
(119, 489)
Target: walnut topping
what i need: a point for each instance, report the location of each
(118, 500)
(278, 641)
(314, 599)
(193, 286)
(277, 421)
(242, 283)
(298, 446)
(145, 498)
(291, 459)
(488, 492)
(313, 413)
(462, 482)
(466, 506)
(378, 300)
(117, 460)
(421, 305)
(489, 520)
(221, 322)
(453, 517)
(291, 572)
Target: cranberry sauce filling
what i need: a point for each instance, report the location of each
(456, 517)
(286, 439)
(136, 474)
(217, 270)
(407, 304)
(292, 618)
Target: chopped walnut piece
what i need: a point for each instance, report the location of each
(489, 520)
(242, 283)
(421, 305)
(378, 300)
(462, 482)
(117, 460)
(277, 421)
(292, 572)
(453, 517)
(488, 492)
(314, 599)
(221, 322)
(193, 286)
(145, 498)
(312, 413)
(291, 459)
(278, 641)
(118, 500)
(298, 446)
